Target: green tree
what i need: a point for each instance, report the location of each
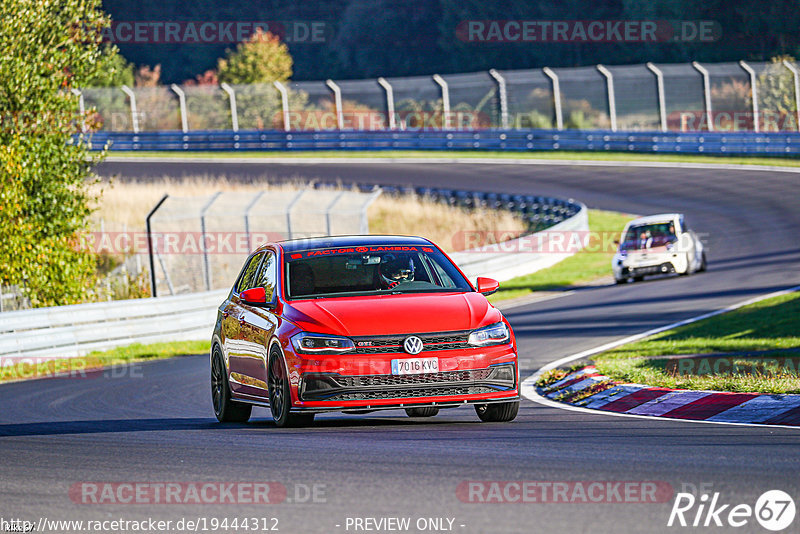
(49, 47)
(261, 59)
(114, 70)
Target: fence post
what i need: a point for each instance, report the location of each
(328, 212)
(754, 92)
(82, 112)
(150, 252)
(337, 100)
(289, 213)
(612, 101)
(389, 102)
(232, 98)
(182, 101)
(206, 266)
(706, 94)
(134, 114)
(247, 219)
(662, 105)
(445, 100)
(284, 103)
(796, 74)
(501, 88)
(556, 96)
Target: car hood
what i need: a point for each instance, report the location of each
(392, 314)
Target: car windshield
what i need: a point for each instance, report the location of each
(642, 236)
(369, 270)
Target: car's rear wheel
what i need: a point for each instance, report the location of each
(226, 410)
(703, 265)
(280, 397)
(499, 412)
(427, 411)
(637, 278)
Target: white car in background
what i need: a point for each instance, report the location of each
(658, 244)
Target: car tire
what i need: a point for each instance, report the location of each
(427, 411)
(280, 397)
(500, 412)
(637, 278)
(703, 265)
(226, 409)
(620, 280)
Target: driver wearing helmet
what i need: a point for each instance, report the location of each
(394, 270)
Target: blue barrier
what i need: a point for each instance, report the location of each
(727, 143)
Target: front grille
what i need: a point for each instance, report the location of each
(398, 380)
(394, 343)
(412, 393)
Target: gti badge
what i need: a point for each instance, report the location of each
(412, 345)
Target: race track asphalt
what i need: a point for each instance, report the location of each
(153, 422)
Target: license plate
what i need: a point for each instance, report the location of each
(415, 366)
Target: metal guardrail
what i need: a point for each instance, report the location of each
(726, 143)
(76, 330)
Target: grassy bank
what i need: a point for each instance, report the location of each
(581, 268)
(472, 154)
(95, 362)
(755, 348)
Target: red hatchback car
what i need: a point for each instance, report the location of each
(357, 324)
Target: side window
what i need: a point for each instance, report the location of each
(247, 278)
(268, 275)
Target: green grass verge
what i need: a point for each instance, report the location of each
(542, 155)
(767, 325)
(101, 359)
(580, 268)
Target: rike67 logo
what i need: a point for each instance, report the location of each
(774, 510)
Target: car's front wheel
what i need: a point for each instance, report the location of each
(428, 411)
(226, 410)
(280, 398)
(499, 412)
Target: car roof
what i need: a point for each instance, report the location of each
(292, 245)
(651, 219)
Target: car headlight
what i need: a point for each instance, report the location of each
(494, 334)
(306, 343)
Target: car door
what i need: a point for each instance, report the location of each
(233, 321)
(258, 324)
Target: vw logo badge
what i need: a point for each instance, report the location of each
(412, 345)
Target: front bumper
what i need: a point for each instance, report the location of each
(476, 375)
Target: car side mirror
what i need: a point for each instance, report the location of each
(256, 296)
(487, 286)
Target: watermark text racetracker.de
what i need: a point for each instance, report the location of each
(564, 492)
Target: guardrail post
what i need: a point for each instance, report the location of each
(182, 101)
(232, 98)
(392, 122)
(501, 89)
(662, 105)
(206, 267)
(796, 74)
(134, 114)
(284, 103)
(445, 100)
(337, 100)
(612, 101)
(754, 92)
(289, 213)
(706, 94)
(364, 226)
(247, 219)
(150, 250)
(556, 96)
